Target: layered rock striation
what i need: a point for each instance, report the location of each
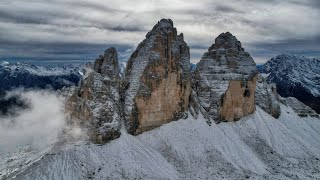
(225, 80)
(157, 79)
(95, 103)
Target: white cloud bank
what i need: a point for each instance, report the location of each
(37, 126)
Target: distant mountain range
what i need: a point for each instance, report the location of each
(28, 76)
(295, 76)
(31, 76)
(169, 119)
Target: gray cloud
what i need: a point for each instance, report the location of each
(303, 47)
(82, 29)
(227, 9)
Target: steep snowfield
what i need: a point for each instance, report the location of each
(256, 147)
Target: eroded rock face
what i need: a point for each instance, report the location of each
(267, 98)
(95, 104)
(157, 81)
(225, 80)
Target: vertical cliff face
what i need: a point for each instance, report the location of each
(157, 79)
(225, 80)
(267, 98)
(95, 104)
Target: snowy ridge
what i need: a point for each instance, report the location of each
(38, 70)
(256, 147)
(32, 76)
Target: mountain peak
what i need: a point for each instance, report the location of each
(108, 63)
(295, 76)
(164, 26)
(226, 41)
(166, 22)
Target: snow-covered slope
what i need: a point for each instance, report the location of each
(296, 76)
(255, 147)
(30, 76)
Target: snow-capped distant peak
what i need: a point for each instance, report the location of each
(13, 75)
(4, 63)
(295, 76)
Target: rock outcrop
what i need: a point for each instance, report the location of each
(95, 104)
(225, 80)
(267, 98)
(301, 109)
(157, 79)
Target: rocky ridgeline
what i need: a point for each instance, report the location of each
(301, 109)
(95, 104)
(158, 86)
(225, 81)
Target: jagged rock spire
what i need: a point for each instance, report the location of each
(162, 27)
(108, 64)
(158, 79)
(95, 104)
(226, 41)
(225, 80)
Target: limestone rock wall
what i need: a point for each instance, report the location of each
(95, 103)
(157, 81)
(267, 98)
(238, 100)
(225, 80)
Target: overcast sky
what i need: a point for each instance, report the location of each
(78, 30)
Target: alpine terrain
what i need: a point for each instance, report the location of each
(165, 118)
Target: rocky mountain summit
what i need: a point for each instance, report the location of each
(157, 79)
(225, 80)
(158, 86)
(95, 104)
(277, 138)
(297, 77)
